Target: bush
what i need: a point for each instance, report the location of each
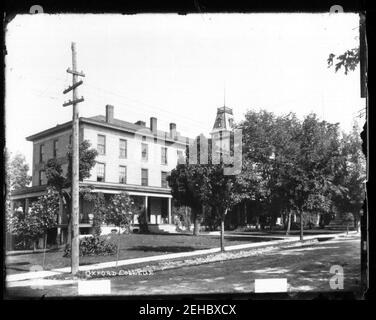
(91, 246)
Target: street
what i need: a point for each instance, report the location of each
(306, 268)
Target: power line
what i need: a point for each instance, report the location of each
(150, 106)
(137, 107)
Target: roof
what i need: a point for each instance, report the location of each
(36, 191)
(33, 191)
(221, 117)
(116, 124)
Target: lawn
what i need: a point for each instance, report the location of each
(132, 246)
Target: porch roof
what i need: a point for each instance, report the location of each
(28, 192)
(104, 187)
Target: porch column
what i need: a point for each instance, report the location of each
(146, 200)
(11, 204)
(169, 211)
(59, 222)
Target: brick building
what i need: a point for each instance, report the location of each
(133, 157)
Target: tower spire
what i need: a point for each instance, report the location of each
(224, 95)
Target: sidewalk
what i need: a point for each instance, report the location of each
(53, 272)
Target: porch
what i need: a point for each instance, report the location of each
(154, 202)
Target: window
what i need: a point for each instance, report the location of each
(101, 147)
(101, 168)
(123, 148)
(42, 178)
(55, 149)
(164, 183)
(143, 138)
(41, 153)
(144, 151)
(70, 139)
(144, 177)
(123, 174)
(164, 155)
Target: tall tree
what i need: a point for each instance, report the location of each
(17, 178)
(351, 176)
(87, 157)
(221, 194)
(120, 213)
(308, 170)
(17, 171)
(62, 183)
(188, 183)
(285, 150)
(42, 217)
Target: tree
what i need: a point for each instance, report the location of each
(120, 210)
(62, 183)
(188, 183)
(57, 180)
(285, 148)
(222, 195)
(348, 60)
(307, 172)
(205, 185)
(97, 200)
(351, 175)
(87, 157)
(120, 213)
(182, 216)
(41, 218)
(267, 140)
(17, 172)
(16, 178)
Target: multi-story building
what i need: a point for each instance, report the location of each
(132, 157)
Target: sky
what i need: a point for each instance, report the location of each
(177, 68)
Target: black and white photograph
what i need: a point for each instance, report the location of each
(162, 154)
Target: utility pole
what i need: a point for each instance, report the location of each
(75, 244)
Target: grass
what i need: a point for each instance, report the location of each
(132, 246)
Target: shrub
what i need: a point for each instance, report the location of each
(91, 246)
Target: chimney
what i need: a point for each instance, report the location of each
(141, 123)
(172, 130)
(153, 125)
(109, 113)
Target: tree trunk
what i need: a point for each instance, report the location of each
(35, 245)
(44, 251)
(187, 219)
(118, 248)
(196, 227)
(288, 223)
(257, 223)
(301, 225)
(59, 220)
(223, 234)
(196, 224)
